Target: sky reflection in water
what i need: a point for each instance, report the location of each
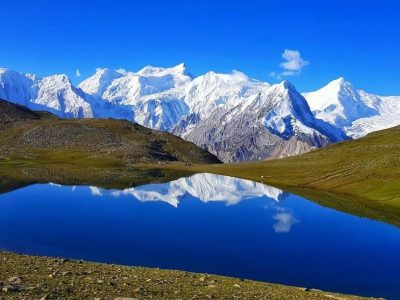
(207, 223)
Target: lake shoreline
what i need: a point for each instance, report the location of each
(35, 277)
(383, 208)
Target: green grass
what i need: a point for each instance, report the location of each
(367, 168)
(105, 142)
(29, 277)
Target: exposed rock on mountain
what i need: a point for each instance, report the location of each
(272, 124)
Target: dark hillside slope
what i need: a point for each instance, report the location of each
(26, 134)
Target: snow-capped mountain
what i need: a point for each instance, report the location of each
(210, 91)
(152, 96)
(204, 187)
(128, 88)
(214, 92)
(57, 93)
(275, 122)
(15, 87)
(53, 93)
(231, 115)
(354, 110)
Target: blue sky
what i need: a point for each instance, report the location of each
(359, 40)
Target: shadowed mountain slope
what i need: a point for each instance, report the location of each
(26, 134)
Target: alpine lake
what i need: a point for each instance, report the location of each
(204, 223)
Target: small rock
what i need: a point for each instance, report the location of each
(10, 288)
(100, 281)
(15, 280)
(139, 290)
(236, 285)
(65, 273)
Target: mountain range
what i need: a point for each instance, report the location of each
(231, 115)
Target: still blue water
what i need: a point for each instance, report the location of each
(207, 223)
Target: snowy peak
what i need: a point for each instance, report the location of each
(177, 75)
(355, 111)
(15, 86)
(98, 83)
(284, 91)
(58, 80)
(57, 93)
(159, 71)
(328, 95)
(128, 88)
(54, 93)
(339, 103)
(213, 90)
(287, 114)
(338, 83)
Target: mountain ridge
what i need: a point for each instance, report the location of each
(171, 99)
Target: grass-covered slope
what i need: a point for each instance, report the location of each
(359, 176)
(31, 135)
(368, 167)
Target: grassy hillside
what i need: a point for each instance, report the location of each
(30, 135)
(359, 176)
(368, 167)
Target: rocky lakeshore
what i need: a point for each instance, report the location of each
(31, 277)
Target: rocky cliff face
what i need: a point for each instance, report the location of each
(273, 124)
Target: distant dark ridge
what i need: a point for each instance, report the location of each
(10, 112)
(34, 135)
